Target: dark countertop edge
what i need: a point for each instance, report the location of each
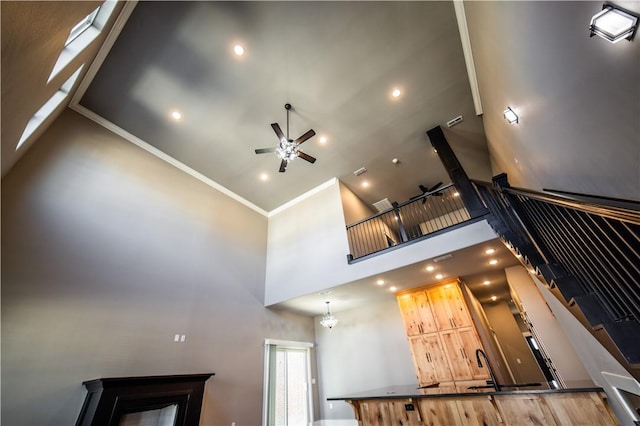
(466, 394)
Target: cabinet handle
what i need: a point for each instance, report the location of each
(451, 323)
(462, 354)
(428, 356)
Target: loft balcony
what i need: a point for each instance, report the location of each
(422, 217)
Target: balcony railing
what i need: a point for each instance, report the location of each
(407, 222)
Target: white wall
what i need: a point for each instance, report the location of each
(107, 252)
(565, 359)
(602, 367)
(367, 350)
(308, 247)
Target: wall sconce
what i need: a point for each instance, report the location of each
(511, 116)
(613, 24)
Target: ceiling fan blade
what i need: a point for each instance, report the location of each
(304, 137)
(283, 166)
(265, 150)
(434, 187)
(306, 157)
(423, 188)
(279, 134)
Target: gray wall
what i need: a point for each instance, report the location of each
(367, 350)
(577, 97)
(107, 252)
(521, 361)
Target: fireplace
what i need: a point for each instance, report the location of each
(159, 400)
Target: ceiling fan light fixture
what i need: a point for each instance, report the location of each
(287, 150)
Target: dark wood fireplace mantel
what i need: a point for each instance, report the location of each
(109, 399)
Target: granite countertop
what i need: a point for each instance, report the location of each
(412, 391)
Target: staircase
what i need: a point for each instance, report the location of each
(586, 249)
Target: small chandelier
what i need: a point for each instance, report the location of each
(287, 149)
(328, 320)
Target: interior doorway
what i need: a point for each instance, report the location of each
(288, 393)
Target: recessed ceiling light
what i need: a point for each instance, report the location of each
(487, 282)
(323, 139)
(365, 184)
(490, 251)
(439, 276)
(238, 50)
(264, 177)
(396, 93)
(380, 282)
(324, 293)
(393, 288)
(430, 268)
(176, 115)
(494, 298)
(455, 194)
(493, 262)
(395, 161)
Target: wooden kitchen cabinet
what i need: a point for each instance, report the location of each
(449, 308)
(458, 358)
(416, 313)
(441, 334)
(470, 342)
(429, 359)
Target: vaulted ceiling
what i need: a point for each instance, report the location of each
(337, 63)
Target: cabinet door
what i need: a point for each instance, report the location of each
(458, 359)
(458, 311)
(450, 309)
(438, 300)
(470, 343)
(424, 368)
(429, 359)
(416, 313)
(410, 314)
(437, 358)
(427, 321)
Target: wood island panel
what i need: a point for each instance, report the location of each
(560, 408)
(579, 409)
(523, 410)
(479, 412)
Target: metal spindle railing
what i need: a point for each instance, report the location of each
(409, 221)
(597, 244)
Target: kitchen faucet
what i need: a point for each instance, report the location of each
(494, 382)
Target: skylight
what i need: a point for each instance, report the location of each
(45, 110)
(82, 26)
(82, 34)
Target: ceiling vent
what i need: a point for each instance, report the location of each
(443, 257)
(360, 171)
(382, 205)
(455, 121)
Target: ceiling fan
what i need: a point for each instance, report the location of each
(426, 190)
(288, 149)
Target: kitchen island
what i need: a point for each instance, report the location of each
(408, 405)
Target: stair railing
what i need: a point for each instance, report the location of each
(591, 250)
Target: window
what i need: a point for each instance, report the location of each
(82, 34)
(82, 26)
(287, 384)
(45, 110)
